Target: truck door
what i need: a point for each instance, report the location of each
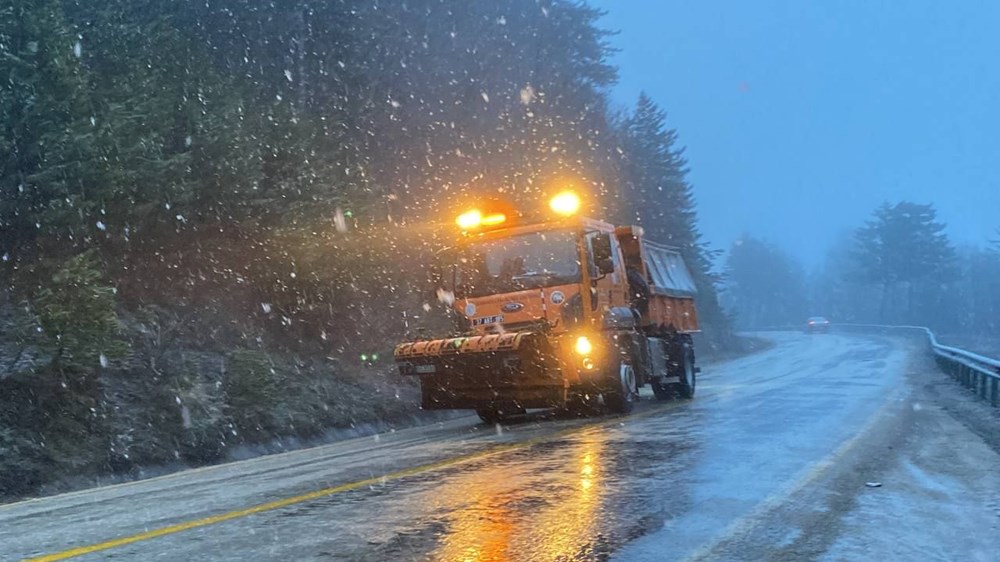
(607, 269)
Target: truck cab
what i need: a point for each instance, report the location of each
(533, 276)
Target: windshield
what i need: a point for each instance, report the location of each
(528, 261)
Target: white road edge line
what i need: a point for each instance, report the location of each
(804, 478)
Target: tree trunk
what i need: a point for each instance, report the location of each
(883, 303)
(909, 303)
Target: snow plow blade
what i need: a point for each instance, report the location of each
(518, 368)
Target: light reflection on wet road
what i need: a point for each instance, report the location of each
(659, 485)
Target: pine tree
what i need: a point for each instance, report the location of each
(46, 158)
(902, 247)
(659, 197)
(73, 332)
(766, 286)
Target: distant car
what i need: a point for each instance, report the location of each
(817, 324)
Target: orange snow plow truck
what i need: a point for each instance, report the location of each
(565, 312)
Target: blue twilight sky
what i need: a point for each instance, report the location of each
(800, 117)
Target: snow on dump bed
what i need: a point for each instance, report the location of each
(668, 272)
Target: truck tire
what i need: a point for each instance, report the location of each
(688, 374)
(582, 405)
(622, 392)
(498, 412)
(490, 415)
(660, 390)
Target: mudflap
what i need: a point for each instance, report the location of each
(513, 371)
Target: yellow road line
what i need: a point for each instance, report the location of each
(325, 492)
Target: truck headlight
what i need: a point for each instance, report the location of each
(583, 346)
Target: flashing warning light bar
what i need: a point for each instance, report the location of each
(473, 219)
(565, 203)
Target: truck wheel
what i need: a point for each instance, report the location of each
(490, 415)
(498, 412)
(582, 405)
(688, 375)
(622, 393)
(660, 390)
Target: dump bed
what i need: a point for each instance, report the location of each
(671, 287)
(666, 271)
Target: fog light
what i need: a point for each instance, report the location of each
(588, 364)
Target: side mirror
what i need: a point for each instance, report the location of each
(435, 281)
(606, 266)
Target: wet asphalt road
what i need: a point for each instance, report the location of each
(725, 476)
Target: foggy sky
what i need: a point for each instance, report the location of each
(800, 117)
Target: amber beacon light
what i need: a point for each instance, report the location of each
(566, 203)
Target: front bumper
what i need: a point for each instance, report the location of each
(478, 371)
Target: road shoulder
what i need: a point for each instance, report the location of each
(922, 483)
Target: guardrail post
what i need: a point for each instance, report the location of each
(995, 392)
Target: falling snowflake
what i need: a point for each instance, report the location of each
(101, 226)
(340, 221)
(78, 50)
(527, 95)
(446, 297)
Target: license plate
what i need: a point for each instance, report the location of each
(498, 319)
(425, 369)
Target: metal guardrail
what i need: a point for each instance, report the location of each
(978, 373)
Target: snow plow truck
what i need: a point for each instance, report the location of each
(562, 311)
